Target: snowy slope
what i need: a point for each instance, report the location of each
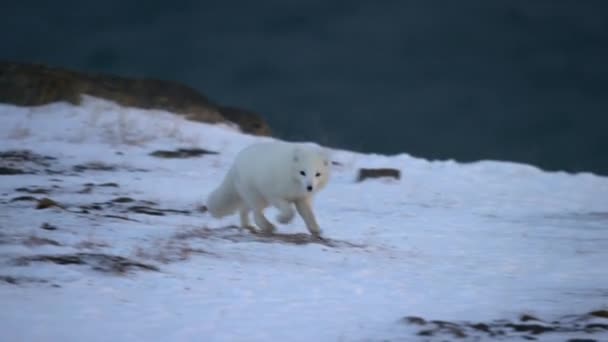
(458, 242)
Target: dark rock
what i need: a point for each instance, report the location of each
(600, 313)
(123, 200)
(182, 153)
(526, 318)
(48, 226)
(581, 340)
(8, 171)
(26, 84)
(415, 320)
(378, 173)
(110, 184)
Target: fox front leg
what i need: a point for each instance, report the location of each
(305, 210)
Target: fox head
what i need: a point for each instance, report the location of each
(310, 169)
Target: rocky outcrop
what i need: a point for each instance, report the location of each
(25, 84)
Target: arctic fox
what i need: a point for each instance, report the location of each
(277, 174)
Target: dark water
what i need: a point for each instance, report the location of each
(473, 79)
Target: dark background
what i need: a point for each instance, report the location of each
(467, 80)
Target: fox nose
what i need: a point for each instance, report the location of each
(309, 188)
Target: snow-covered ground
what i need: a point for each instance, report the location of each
(472, 242)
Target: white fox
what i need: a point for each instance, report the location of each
(277, 174)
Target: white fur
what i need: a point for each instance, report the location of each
(275, 174)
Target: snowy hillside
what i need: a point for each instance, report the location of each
(102, 239)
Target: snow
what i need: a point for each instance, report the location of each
(450, 241)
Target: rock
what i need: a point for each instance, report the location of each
(48, 226)
(25, 84)
(415, 320)
(123, 200)
(378, 173)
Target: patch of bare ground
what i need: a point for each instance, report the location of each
(181, 153)
(105, 263)
(14, 162)
(13, 280)
(527, 327)
(91, 244)
(169, 251)
(238, 234)
(34, 241)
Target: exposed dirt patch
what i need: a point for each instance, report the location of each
(125, 205)
(104, 167)
(89, 187)
(9, 171)
(237, 234)
(169, 251)
(20, 280)
(24, 199)
(36, 190)
(46, 202)
(141, 209)
(91, 244)
(94, 166)
(526, 327)
(182, 153)
(122, 200)
(98, 262)
(34, 241)
(15, 162)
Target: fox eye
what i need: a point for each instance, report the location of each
(317, 174)
(303, 173)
